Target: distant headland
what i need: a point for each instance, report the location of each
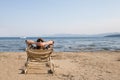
(115, 35)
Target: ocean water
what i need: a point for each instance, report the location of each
(64, 44)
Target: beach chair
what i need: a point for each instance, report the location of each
(40, 56)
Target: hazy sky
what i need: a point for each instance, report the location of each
(39, 17)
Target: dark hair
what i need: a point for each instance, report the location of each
(40, 40)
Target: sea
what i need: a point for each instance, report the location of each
(64, 44)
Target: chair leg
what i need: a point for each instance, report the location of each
(51, 68)
(26, 66)
(25, 71)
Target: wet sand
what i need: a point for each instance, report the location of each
(68, 66)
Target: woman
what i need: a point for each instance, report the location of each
(40, 43)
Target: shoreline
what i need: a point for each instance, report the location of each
(67, 52)
(68, 66)
(63, 51)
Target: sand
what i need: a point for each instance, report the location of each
(68, 66)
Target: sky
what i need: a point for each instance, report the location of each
(47, 17)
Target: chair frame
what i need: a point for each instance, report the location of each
(39, 55)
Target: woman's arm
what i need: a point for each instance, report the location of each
(29, 42)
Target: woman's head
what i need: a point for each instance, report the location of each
(40, 40)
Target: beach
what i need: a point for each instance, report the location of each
(104, 65)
